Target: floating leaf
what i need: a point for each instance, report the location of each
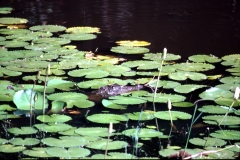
(165, 84)
(109, 104)
(112, 145)
(48, 28)
(8, 148)
(83, 29)
(7, 107)
(13, 44)
(204, 58)
(229, 120)
(174, 114)
(54, 118)
(208, 141)
(141, 116)
(93, 131)
(215, 109)
(128, 100)
(5, 10)
(214, 93)
(187, 88)
(230, 80)
(182, 104)
(142, 64)
(133, 43)
(163, 97)
(181, 76)
(22, 100)
(60, 84)
(24, 142)
(142, 133)
(193, 66)
(89, 73)
(158, 56)
(79, 36)
(68, 153)
(129, 50)
(107, 118)
(11, 20)
(36, 152)
(22, 131)
(65, 141)
(52, 127)
(226, 134)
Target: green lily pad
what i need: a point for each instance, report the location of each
(60, 84)
(164, 84)
(52, 40)
(68, 153)
(127, 100)
(182, 104)
(112, 145)
(22, 130)
(158, 56)
(142, 64)
(187, 88)
(193, 66)
(93, 131)
(22, 100)
(142, 133)
(163, 97)
(229, 120)
(89, 73)
(214, 93)
(129, 50)
(226, 134)
(217, 109)
(65, 141)
(106, 118)
(208, 141)
(54, 118)
(13, 44)
(48, 28)
(142, 116)
(24, 142)
(5, 10)
(204, 58)
(11, 20)
(109, 104)
(175, 115)
(79, 36)
(36, 152)
(230, 80)
(181, 76)
(14, 31)
(6, 107)
(8, 148)
(52, 127)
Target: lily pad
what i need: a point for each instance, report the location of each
(193, 66)
(109, 104)
(22, 130)
(142, 64)
(204, 58)
(129, 50)
(79, 36)
(226, 134)
(163, 97)
(93, 131)
(8, 148)
(106, 118)
(229, 120)
(48, 28)
(164, 84)
(11, 20)
(127, 100)
(181, 76)
(54, 118)
(36, 152)
(133, 43)
(158, 56)
(52, 127)
(217, 109)
(142, 133)
(83, 29)
(187, 88)
(24, 142)
(208, 141)
(175, 115)
(65, 141)
(89, 73)
(112, 145)
(68, 153)
(142, 116)
(22, 100)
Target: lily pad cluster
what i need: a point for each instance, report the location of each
(81, 84)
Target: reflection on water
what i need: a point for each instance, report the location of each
(199, 27)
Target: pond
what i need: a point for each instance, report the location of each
(170, 82)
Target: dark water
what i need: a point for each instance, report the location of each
(184, 27)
